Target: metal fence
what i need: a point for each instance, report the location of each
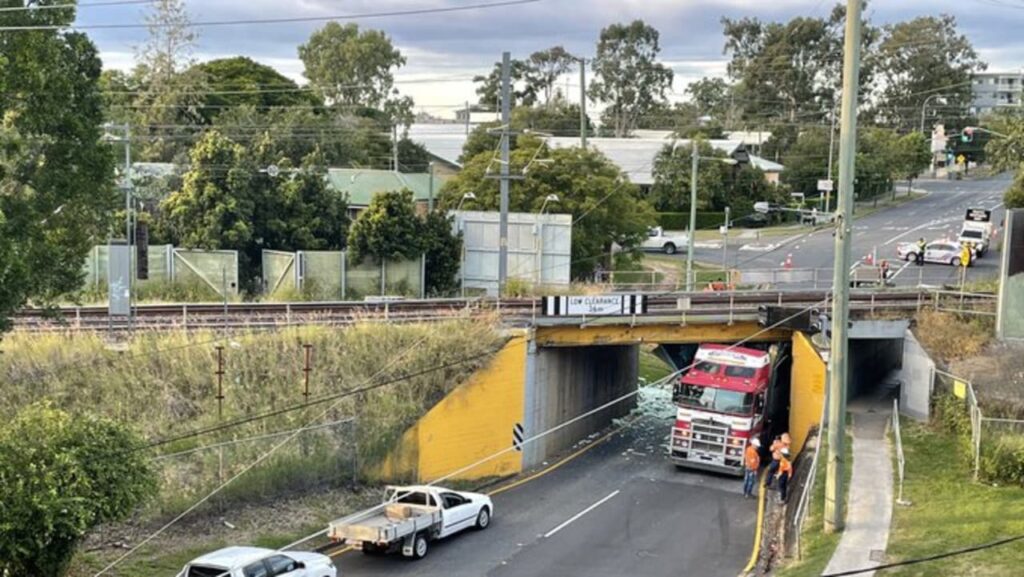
(214, 269)
(983, 429)
(901, 462)
(330, 275)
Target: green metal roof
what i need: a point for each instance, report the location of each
(359, 184)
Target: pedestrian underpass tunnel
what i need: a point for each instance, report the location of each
(876, 350)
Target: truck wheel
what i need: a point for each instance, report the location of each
(371, 549)
(483, 519)
(420, 547)
(670, 248)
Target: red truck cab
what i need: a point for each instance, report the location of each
(720, 404)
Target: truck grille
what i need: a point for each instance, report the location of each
(709, 437)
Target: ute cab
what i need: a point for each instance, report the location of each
(720, 406)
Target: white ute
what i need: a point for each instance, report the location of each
(410, 518)
(657, 240)
(259, 562)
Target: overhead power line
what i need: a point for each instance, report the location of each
(74, 6)
(293, 19)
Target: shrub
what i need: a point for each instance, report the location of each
(1003, 460)
(951, 337)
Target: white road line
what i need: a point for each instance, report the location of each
(580, 514)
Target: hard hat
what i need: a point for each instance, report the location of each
(755, 442)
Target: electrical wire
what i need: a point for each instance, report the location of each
(936, 557)
(285, 20)
(253, 439)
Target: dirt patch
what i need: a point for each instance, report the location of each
(997, 374)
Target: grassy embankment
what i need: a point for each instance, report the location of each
(949, 512)
(166, 386)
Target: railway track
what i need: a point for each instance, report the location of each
(521, 311)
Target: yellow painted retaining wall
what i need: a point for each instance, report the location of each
(472, 423)
(807, 390)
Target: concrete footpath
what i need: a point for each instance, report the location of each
(869, 513)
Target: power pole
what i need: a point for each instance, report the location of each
(834, 515)
(583, 103)
(394, 147)
(690, 237)
(504, 181)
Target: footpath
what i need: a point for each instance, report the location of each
(869, 511)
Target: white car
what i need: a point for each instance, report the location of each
(259, 562)
(657, 240)
(939, 251)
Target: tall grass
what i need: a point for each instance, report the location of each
(165, 385)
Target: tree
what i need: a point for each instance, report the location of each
(443, 251)
(628, 78)
(387, 230)
(806, 161)
(298, 210)
(606, 207)
(719, 184)
(911, 156)
(711, 97)
(545, 68)
(351, 67)
(56, 179)
(522, 92)
(62, 475)
(1005, 152)
(1014, 195)
(558, 117)
(921, 58)
(170, 88)
(793, 70)
(235, 81)
(412, 156)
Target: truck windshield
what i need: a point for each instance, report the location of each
(712, 399)
(729, 370)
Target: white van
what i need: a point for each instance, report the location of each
(976, 236)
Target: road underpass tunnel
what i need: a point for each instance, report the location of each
(876, 350)
(564, 382)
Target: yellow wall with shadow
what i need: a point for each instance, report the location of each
(472, 423)
(807, 390)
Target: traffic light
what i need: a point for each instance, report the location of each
(967, 135)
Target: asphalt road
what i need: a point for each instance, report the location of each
(937, 215)
(619, 509)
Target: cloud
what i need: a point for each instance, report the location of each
(463, 44)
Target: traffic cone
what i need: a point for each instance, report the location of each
(788, 263)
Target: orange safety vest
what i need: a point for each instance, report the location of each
(752, 458)
(785, 467)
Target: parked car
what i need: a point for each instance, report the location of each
(411, 517)
(657, 240)
(259, 562)
(939, 251)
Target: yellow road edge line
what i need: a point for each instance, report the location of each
(342, 551)
(565, 460)
(760, 522)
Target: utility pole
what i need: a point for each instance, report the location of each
(583, 103)
(690, 238)
(504, 181)
(394, 147)
(834, 515)
(725, 242)
(467, 118)
(831, 147)
(430, 192)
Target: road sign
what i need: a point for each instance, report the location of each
(612, 305)
(978, 215)
(825, 185)
(517, 437)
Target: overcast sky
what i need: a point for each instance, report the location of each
(455, 46)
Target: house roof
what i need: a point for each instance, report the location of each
(635, 156)
(360, 184)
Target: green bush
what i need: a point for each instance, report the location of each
(1003, 460)
(681, 220)
(952, 414)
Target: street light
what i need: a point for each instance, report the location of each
(924, 106)
(465, 197)
(549, 198)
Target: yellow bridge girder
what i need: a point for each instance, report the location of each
(609, 334)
